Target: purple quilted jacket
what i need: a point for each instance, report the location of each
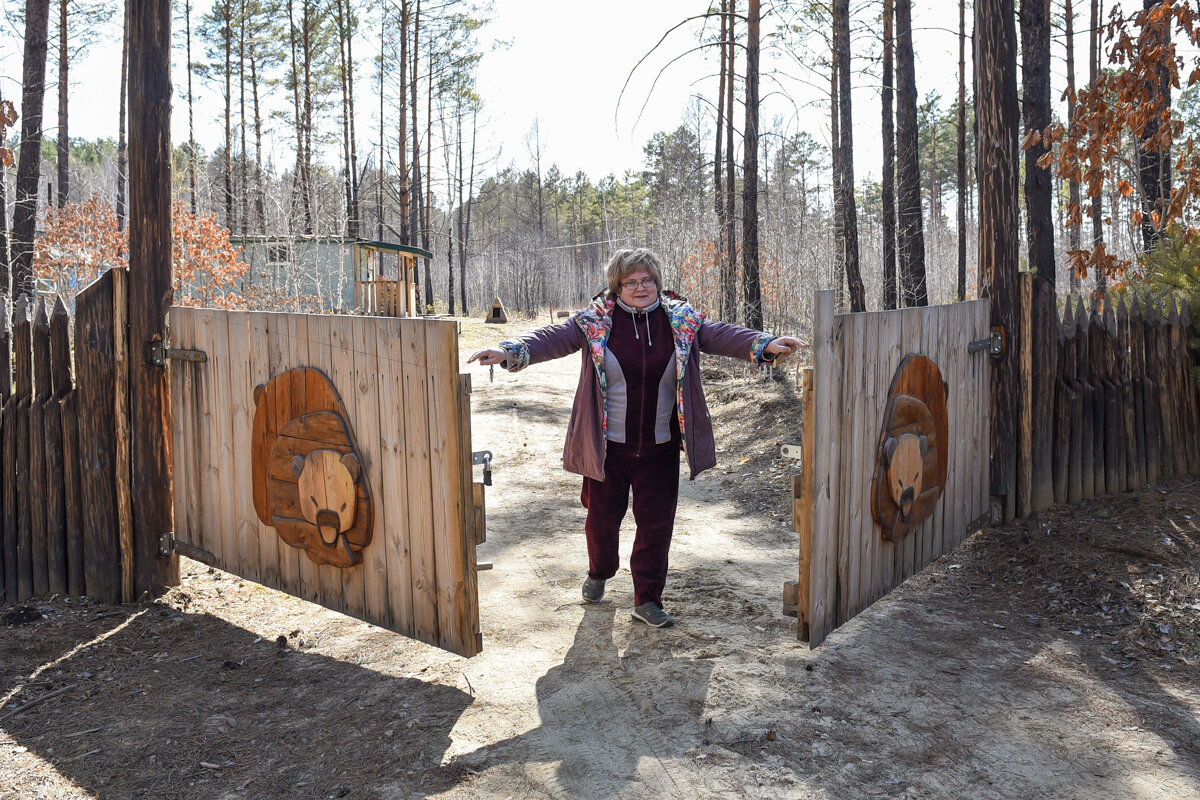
(588, 331)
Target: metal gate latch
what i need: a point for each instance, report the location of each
(484, 457)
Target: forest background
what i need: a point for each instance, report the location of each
(417, 122)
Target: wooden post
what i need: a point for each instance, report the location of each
(1083, 377)
(1153, 388)
(1137, 382)
(802, 506)
(1133, 464)
(1096, 369)
(37, 450)
(73, 517)
(150, 289)
(1188, 357)
(23, 361)
(1063, 399)
(52, 432)
(1038, 366)
(1070, 372)
(999, 231)
(1114, 402)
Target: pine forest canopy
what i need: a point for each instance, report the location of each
(382, 120)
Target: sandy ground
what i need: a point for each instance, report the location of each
(1053, 658)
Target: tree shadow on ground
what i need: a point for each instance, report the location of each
(607, 719)
(167, 704)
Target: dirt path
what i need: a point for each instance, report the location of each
(963, 683)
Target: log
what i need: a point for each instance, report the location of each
(1087, 416)
(1114, 410)
(96, 378)
(1099, 405)
(8, 424)
(37, 449)
(1151, 400)
(73, 516)
(150, 289)
(1037, 366)
(60, 384)
(1070, 371)
(23, 361)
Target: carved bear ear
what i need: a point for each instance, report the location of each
(889, 449)
(352, 465)
(258, 393)
(297, 466)
(924, 445)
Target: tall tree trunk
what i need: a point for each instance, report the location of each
(5, 354)
(33, 91)
(306, 53)
(751, 287)
(382, 134)
(1073, 186)
(344, 73)
(889, 160)
(418, 203)
(999, 227)
(718, 189)
(227, 30)
(122, 158)
(260, 192)
(1093, 74)
(64, 142)
(244, 188)
(854, 282)
(355, 216)
(911, 240)
(298, 173)
(1154, 165)
(187, 22)
(426, 229)
(835, 155)
(962, 149)
(729, 301)
(464, 232)
(1035, 69)
(402, 149)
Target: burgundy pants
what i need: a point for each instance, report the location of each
(654, 479)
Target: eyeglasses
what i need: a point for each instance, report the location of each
(645, 283)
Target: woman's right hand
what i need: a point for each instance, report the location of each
(488, 356)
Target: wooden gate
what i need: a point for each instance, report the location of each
(848, 560)
(373, 407)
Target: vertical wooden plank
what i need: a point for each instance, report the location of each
(392, 519)
(441, 349)
(953, 342)
(982, 382)
(207, 535)
(189, 445)
(297, 354)
(914, 325)
(850, 520)
(364, 405)
(59, 351)
(471, 535)
(1100, 403)
(890, 356)
(11, 528)
(1133, 461)
(802, 506)
(220, 368)
(870, 417)
(827, 370)
(1084, 377)
(73, 517)
(123, 435)
(931, 531)
(38, 489)
(279, 360)
(23, 362)
(1114, 406)
(420, 483)
(241, 393)
(95, 372)
(258, 374)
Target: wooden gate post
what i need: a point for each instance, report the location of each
(150, 289)
(999, 119)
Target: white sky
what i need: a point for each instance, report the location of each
(565, 65)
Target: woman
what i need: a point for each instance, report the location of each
(638, 400)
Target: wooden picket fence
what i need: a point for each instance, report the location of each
(1109, 402)
(67, 517)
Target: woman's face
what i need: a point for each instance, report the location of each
(638, 289)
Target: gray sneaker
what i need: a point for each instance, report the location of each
(593, 590)
(652, 614)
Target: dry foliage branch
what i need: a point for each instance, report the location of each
(1130, 99)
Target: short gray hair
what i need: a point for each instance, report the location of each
(626, 262)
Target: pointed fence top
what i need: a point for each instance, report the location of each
(21, 311)
(1185, 316)
(1081, 315)
(1173, 313)
(1109, 319)
(1135, 308)
(40, 319)
(60, 308)
(1122, 310)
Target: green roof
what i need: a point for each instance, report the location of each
(394, 248)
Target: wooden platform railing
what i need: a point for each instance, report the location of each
(65, 525)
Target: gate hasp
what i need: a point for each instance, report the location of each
(910, 467)
(309, 484)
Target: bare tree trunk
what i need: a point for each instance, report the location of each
(846, 145)
(187, 21)
(1035, 68)
(64, 142)
(718, 189)
(346, 175)
(418, 205)
(835, 155)
(999, 226)
(1073, 190)
(1093, 74)
(382, 136)
(751, 288)
(244, 187)
(5, 354)
(260, 192)
(464, 232)
(355, 221)
(729, 301)
(426, 231)
(962, 149)
(33, 91)
(889, 160)
(1154, 166)
(122, 157)
(307, 117)
(227, 26)
(911, 239)
(402, 149)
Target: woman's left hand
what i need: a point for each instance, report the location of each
(785, 346)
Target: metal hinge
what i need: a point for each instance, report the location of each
(168, 545)
(159, 353)
(484, 457)
(994, 344)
